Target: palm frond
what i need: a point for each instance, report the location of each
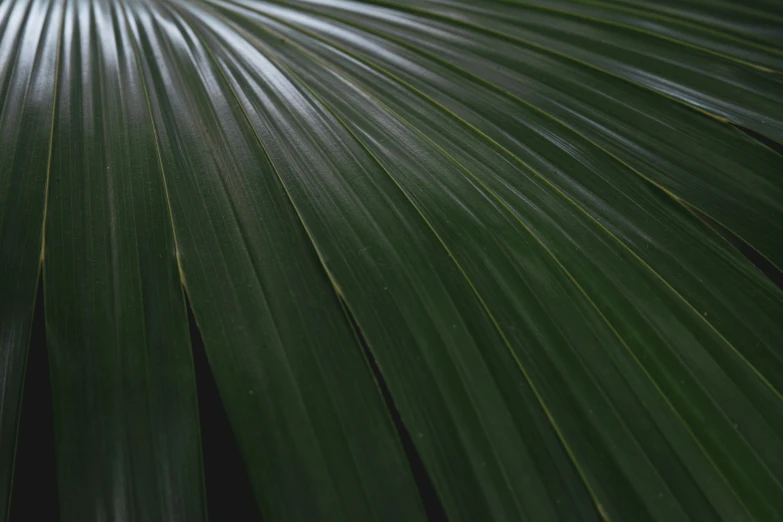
(526, 219)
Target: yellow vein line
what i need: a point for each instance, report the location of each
(51, 130)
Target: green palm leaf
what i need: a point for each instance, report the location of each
(520, 227)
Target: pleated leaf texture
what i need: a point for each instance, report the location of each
(532, 245)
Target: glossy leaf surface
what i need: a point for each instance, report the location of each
(511, 215)
(125, 413)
